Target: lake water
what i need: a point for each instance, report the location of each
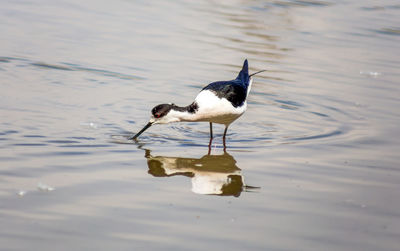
(313, 164)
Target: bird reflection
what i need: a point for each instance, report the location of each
(210, 174)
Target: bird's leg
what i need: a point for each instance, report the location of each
(224, 137)
(211, 138)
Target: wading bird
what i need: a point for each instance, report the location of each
(220, 102)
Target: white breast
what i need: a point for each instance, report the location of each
(217, 110)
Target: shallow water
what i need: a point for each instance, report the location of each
(312, 165)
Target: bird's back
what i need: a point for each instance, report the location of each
(224, 101)
(235, 91)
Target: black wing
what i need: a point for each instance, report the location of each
(234, 91)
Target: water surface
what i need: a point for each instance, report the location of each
(312, 165)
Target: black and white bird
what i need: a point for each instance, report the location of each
(220, 102)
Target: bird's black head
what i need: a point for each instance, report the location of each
(159, 113)
(161, 110)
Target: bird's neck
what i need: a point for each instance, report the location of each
(185, 113)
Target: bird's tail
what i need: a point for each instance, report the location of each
(244, 73)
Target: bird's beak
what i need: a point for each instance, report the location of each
(141, 131)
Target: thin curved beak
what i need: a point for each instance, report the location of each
(141, 131)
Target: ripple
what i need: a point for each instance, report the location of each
(320, 114)
(8, 132)
(30, 144)
(34, 136)
(72, 67)
(63, 141)
(389, 31)
(4, 59)
(87, 146)
(320, 136)
(52, 66)
(301, 3)
(83, 138)
(104, 72)
(121, 138)
(288, 102)
(71, 153)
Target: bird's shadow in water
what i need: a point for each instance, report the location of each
(210, 174)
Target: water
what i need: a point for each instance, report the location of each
(312, 165)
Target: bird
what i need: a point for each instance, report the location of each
(220, 102)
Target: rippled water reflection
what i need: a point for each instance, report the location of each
(312, 164)
(211, 174)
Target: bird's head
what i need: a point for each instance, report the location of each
(160, 114)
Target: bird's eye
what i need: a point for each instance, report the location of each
(157, 115)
